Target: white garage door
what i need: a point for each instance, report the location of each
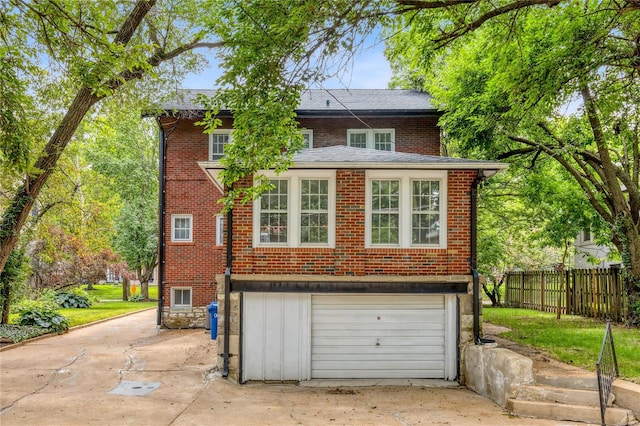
(383, 336)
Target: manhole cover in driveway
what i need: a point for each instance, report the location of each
(134, 388)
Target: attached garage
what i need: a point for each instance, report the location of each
(288, 336)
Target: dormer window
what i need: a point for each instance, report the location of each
(379, 139)
(217, 141)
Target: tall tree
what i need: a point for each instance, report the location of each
(124, 150)
(561, 83)
(59, 59)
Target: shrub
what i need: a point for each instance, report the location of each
(136, 298)
(28, 305)
(73, 299)
(41, 314)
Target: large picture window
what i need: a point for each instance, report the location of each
(406, 209)
(299, 210)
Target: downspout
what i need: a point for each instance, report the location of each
(474, 256)
(227, 294)
(161, 190)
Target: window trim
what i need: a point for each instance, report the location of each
(219, 230)
(294, 209)
(228, 132)
(181, 306)
(405, 222)
(370, 135)
(173, 227)
(310, 133)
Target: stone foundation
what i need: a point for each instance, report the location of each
(195, 317)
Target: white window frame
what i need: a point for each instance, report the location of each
(294, 177)
(405, 208)
(173, 228)
(173, 298)
(228, 132)
(219, 229)
(370, 135)
(310, 133)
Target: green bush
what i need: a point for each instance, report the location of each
(28, 304)
(41, 314)
(73, 299)
(136, 298)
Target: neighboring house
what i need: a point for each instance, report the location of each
(357, 264)
(588, 252)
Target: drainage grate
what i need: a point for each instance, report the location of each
(134, 388)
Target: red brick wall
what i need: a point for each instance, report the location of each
(189, 191)
(419, 135)
(350, 257)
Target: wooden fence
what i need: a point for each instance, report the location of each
(597, 293)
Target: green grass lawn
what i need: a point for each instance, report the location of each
(103, 310)
(574, 340)
(114, 291)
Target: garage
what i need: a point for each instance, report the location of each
(379, 336)
(288, 336)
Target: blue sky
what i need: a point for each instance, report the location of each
(369, 69)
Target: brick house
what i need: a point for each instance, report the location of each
(357, 264)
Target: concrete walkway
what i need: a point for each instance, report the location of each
(127, 371)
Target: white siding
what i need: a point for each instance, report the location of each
(275, 336)
(382, 336)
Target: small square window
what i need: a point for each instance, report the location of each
(181, 228)
(181, 297)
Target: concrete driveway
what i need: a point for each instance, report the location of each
(127, 371)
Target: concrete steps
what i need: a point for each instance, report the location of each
(566, 397)
(570, 412)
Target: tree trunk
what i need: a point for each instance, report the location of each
(6, 302)
(629, 247)
(125, 289)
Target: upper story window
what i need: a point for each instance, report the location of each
(380, 139)
(217, 141)
(307, 138)
(181, 228)
(406, 209)
(298, 211)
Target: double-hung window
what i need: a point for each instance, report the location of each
(298, 210)
(406, 209)
(379, 139)
(181, 228)
(217, 141)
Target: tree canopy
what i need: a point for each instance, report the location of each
(58, 61)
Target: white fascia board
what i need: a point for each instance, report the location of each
(213, 168)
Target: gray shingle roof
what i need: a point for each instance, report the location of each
(331, 101)
(346, 156)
